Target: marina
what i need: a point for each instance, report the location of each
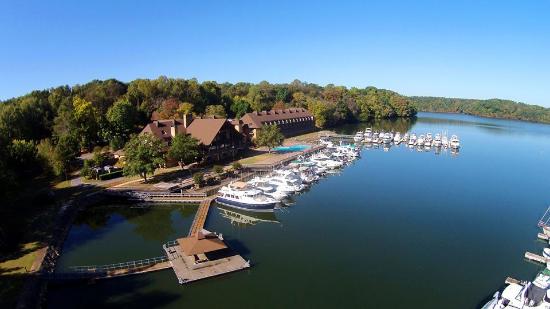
(444, 219)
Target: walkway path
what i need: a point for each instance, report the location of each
(200, 216)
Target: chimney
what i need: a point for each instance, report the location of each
(173, 128)
(238, 126)
(187, 119)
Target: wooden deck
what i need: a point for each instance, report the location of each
(535, 257)
(200, 216)
(187, 270)
(128, 271)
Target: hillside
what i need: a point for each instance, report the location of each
(495, 108)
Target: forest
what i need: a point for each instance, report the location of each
(494, 108)
(42, 132)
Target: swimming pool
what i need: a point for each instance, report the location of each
(292, 148)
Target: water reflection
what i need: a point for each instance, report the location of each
(245, 218)
(141, 218)
(397, 125)
(418, 148)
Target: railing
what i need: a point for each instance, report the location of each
(263, 167)
(102, 269)
(165, 194)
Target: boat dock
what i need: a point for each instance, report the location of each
(535, 257)
(200, 255)
(187, 269)
(200, 216)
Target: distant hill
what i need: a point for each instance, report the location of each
(495, 108)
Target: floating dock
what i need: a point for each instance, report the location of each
(535, 257)
(188, 270)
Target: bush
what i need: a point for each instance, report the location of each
(236, 165)
(111, 175)
(86, 170)
(198, 178)
(218, 169)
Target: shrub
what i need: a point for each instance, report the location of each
(111, 175)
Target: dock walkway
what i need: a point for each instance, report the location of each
(200, 216)
(112, 270)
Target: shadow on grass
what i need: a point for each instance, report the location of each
(10, 286)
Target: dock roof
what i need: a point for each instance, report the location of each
(200, 243)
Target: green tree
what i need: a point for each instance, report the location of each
(270, 136)
(216, 110)
(22, 155)
(218, 169)
(184, 149)
(144, 153)
(240, 106)
(198, 179)
(66, 151)
(122, 118)
(185, 108)
(86, 117)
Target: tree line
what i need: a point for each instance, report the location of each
(42, 132)
(494, 108)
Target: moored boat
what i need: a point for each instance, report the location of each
(241, 196)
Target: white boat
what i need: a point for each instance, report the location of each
(546, 253)
(454, 142)
(397, 137)
(420, 141)
(358, 136)
(445, 141)
(271, 190)
(437, 140)
(325, 161)
(368, 132)
(428, 140)
(518, 295)
(412, 139)
(375, 137)
(387, 138)
(239, 195)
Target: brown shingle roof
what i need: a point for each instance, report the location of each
(205, 130)
(200, 243)
(162, 128)
(255, 120)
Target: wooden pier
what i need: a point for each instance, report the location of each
(190, 265)
(96, 272)
(535, 257)
(200, 216)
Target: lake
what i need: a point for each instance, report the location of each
(396, 229)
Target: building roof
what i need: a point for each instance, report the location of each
(162, 128)
(205, 130)
(255, 120)
(200, 243)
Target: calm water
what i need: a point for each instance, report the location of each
(397, 229)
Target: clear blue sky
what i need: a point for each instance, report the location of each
(472, 49)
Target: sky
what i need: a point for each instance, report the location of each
(469, 49)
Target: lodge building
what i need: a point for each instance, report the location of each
(291, 121)
(219, 138)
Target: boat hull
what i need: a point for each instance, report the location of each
(263, 207)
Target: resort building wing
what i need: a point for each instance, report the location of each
(219, 138)
(291, 121)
